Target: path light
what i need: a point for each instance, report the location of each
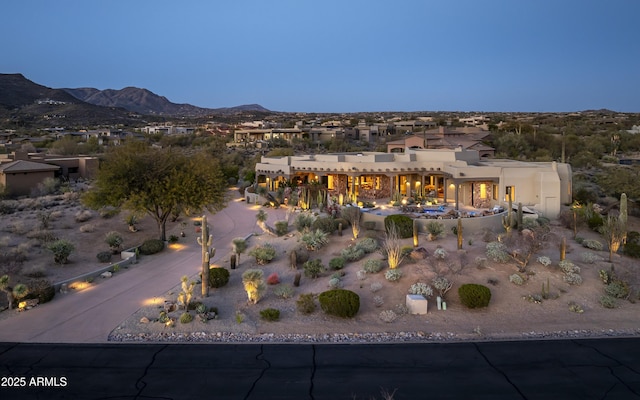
(404, 202)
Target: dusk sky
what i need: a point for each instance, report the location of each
(337, 56)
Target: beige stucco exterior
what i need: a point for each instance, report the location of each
(455, 176)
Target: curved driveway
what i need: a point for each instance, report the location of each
(90, 315)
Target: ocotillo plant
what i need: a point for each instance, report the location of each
(205, 241)
(459, 233)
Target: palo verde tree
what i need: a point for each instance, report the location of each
(157, 182)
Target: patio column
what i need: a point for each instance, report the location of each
(457, 189)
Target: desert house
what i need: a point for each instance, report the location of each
(459, 177)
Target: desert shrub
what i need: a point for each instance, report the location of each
(87, 228)
(283, 291)
(375, 286)
(315, 240)
(104, 256)
(608, 302)
(185, 318)
(151, 246)
(61, 250)
(401, 309)
(442, 285)
(617, 289)
(282, 227)
(44, 235)
(42, 290)
(306, 303)
(302, 254)
(304, 221)
(473, 295)
(403, 223)
(435, 229)
(590, 258)
(516, 279)
(567, 267)
(572, 278)
(544, 260)
(313, 268)
(340, 302)
(337, 263)
(530, 223)
(83, 216)
(378, 301)
(372, 266)
(595, 221)
(273, 279)
(173, 239)
(263, 253)
(361, 274)
(421, 289)
(114, 240)
(325, 224)
(393, 275)
(497, 252)
(388, 316)
(270, 314)
(440, 253)
(592, 244)
(253, 282)
(352, 253)
(632, 247)
(218, 277)
(368, 245)
(201, 308)
(335, 283)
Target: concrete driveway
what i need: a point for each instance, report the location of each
(88, 316)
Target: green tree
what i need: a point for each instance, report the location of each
(157, 182)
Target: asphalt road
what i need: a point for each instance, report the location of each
(566, 369)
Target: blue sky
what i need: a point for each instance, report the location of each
(336, 56)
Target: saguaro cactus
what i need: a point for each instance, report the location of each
(459, 233)
(415, 233)
(563, 248)
(519, 222)
(208, 252)
(507, 221)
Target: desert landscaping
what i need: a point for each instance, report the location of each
(537, 301)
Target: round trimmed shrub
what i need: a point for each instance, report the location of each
(185, 318)
(473, 295)
(403, 223)
(218, 277)
(104, 256)
(337, 263)
(340, 302)
(151, 246)
(306, 303)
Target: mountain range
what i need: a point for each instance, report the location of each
(145, 102)
(24, 101)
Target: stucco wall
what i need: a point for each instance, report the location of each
(469, 225)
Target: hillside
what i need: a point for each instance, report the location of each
(145, 102)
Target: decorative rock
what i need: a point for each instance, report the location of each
(416, 304)
(144, 320)
(64, 288)
(106, 274)
(419, 254)
(170, 306)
